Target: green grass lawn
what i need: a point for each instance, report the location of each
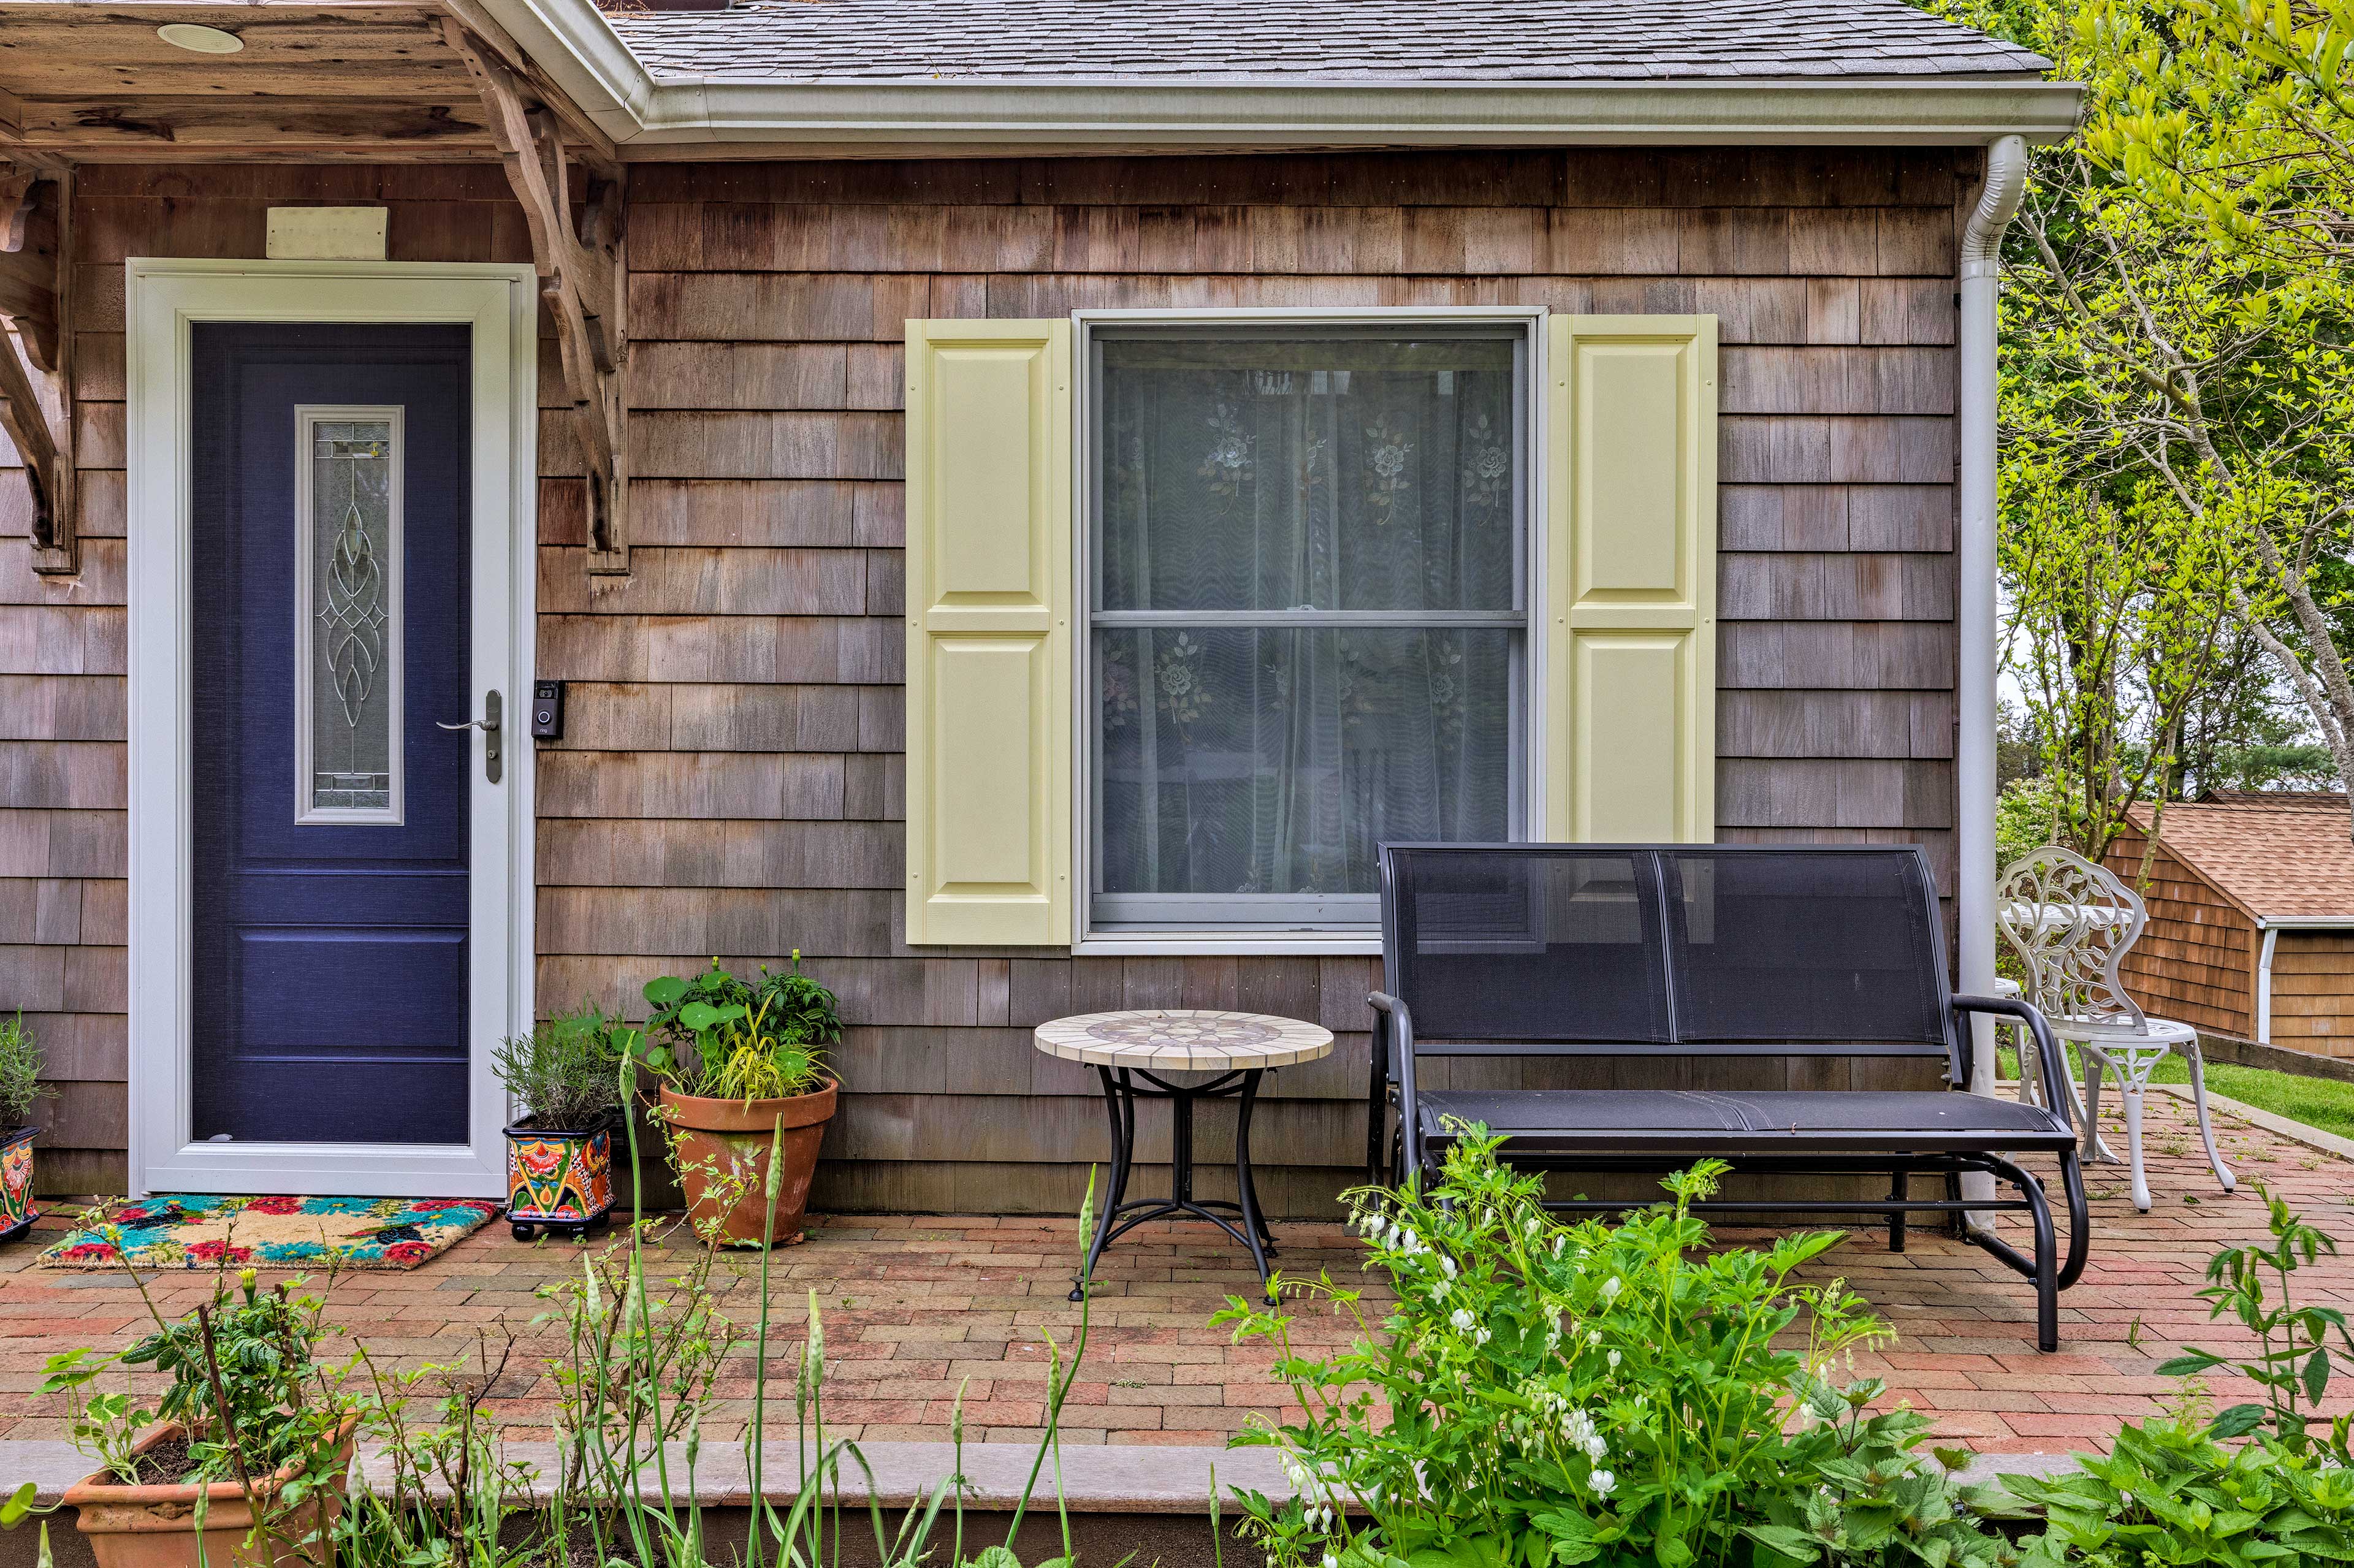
(2325, 1103)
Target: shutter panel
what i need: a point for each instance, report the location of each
(1631, 579)
(989, 634)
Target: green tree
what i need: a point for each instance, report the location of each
(2177, 412)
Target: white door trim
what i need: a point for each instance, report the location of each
(163, 297)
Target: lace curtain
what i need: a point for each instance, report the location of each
(1364, 495)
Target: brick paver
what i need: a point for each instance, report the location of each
(918, 1307)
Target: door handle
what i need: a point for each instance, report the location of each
(489, 724)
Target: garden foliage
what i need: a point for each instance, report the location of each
(724, 1038)
(563, 1071)
(1546, 1394)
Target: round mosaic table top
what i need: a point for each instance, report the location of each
(1183, 1039)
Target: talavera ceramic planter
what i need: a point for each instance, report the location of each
(558, 1180)
(155, 1526)
(722, 1151)
(17, 1211)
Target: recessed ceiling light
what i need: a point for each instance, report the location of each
(203, 40)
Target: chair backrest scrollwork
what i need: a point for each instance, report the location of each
(2071, 923)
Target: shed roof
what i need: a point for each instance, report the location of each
(2280, 855)
(1517, 42)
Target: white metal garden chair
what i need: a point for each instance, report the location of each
(2071, 923)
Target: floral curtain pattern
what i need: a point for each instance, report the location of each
(1363, 490)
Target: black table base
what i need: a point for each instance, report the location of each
(1120, 1216)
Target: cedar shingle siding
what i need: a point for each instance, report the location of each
(731, 783)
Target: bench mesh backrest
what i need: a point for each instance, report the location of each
(1628, 945)
(1538, 943)
(1799, 946)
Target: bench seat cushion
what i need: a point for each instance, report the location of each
(1729, 1122)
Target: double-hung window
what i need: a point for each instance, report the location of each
(1305, 580)
(1203, 609)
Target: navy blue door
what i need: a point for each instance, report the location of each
(330, 622)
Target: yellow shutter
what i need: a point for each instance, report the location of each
(989, 632)
(1631, 579)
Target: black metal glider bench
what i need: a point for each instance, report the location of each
(1803, 958)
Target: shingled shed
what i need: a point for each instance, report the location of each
(2250, 931)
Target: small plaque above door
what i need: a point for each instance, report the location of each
(326, 234)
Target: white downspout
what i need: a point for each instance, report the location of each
(1974, 680)
(2265, 983)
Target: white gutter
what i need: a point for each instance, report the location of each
(2264, 982)
(577, 48)
(1974, 680)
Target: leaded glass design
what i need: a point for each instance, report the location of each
(347, 700)
(1308, 625)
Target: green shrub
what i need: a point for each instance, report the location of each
(20, 1074)
(1557, 1394)
(566, 1071)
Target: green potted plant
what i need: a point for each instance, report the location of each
(20, 1085)
(248, 1455)
(742, 1065)
(564, 1076)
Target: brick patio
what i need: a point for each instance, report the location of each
(916, 1306)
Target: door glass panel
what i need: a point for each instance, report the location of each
(347, 696)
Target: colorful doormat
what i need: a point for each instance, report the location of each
(204, 1231)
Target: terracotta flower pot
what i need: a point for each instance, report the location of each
(155, 1526)
(17, 1211)
(722, 1148)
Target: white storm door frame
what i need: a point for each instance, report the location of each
(164, 299)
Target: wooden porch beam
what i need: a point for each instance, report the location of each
(489, 35)
(583, 277)
(37, 351)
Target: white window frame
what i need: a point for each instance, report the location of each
(1529, 322)
(308, 416)
(499, 302)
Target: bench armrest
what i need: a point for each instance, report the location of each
(2055, 1064)
(1393, 1028)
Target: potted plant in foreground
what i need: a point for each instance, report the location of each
(743, 1068)
(20, 1085)
(560, 1154)
(248, 1461)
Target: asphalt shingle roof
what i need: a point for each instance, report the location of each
(2278, 854)
(1313, 42)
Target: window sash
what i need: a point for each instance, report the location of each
(1136, 914)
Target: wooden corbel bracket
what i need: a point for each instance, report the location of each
(583, 276)
(36, 353)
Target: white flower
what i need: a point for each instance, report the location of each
(1558, 1242)
(1612, 1287)
(1447, 1264)
(1479, 1337)
(1438, 1288)
(1593, 1336)
(1408, 1240)
(1614, 1361)
(1330, 1560)
(1595, 1447)
(2125, 1497)
(1605, 1483)
(1462, 1320)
